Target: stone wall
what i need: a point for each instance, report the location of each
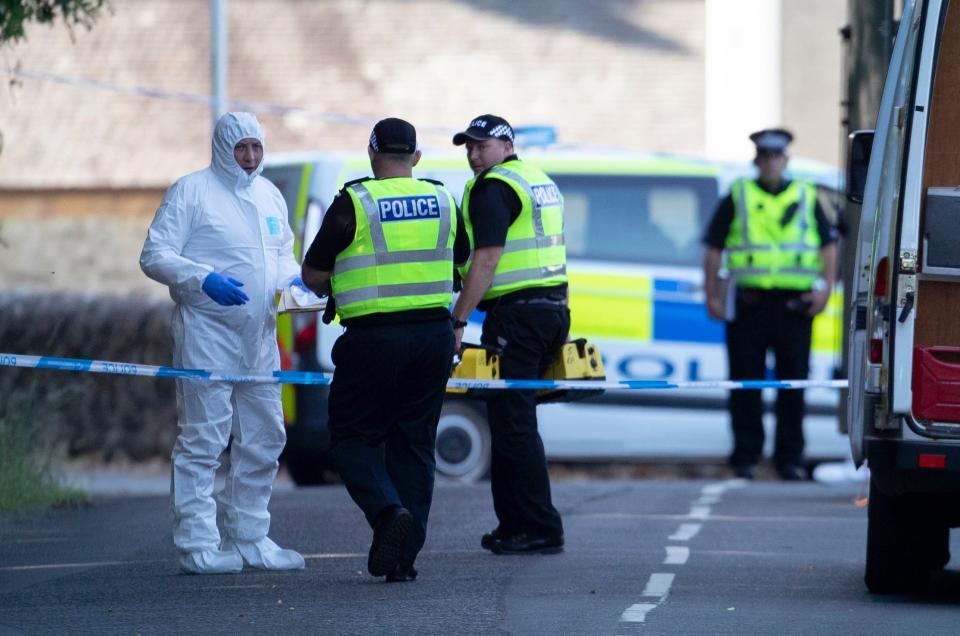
(103, 417)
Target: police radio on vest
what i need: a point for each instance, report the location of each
(409, 208)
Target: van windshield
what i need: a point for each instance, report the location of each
(641, 219)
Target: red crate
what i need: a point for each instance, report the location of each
(936, 383)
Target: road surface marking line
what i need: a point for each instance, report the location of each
(707, 500)
(699, 512)
(677, 555)
(333, 555)
(658, 584)
(57, 566)
(723, 486)
(685, 532)
(97, 564)
(637, 613)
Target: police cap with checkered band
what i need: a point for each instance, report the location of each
(485, 127)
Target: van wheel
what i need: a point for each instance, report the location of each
(903, 544)
(463, 442)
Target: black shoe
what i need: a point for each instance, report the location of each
(402, 574)
(392, 536)
(792, 472)
(487, 540)
(524, 543)
(743, 471)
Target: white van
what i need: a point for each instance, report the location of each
(904, 341)
(633, 229)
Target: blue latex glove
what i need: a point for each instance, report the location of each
(298, 282)
(224, 290)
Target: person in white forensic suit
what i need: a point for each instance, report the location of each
(222, 244)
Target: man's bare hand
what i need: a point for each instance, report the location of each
(817, 299)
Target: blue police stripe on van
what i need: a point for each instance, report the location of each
(682, 320)
(412, 208)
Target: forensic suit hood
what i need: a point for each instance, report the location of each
(222, 219)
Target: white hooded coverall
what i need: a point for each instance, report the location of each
(222, 219)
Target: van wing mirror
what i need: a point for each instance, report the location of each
(858, 159)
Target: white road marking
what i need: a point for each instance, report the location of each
(677, 555)
(685, 532)
(637, 613)
(699, 512)
(97, 564)
(658, 584)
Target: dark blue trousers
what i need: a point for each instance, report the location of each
(385, 402)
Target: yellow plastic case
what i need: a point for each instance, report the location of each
(578, 360)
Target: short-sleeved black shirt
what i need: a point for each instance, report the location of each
(337, 232)
(494, 206)
(719, 227)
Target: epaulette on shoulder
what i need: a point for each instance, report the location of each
(433, 181)
(360, 180)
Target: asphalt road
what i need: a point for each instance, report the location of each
(642, 557)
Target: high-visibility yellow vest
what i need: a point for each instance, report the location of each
(401, 257)
(534, 254)
(773, 241)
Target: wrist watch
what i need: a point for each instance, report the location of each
(457, 324)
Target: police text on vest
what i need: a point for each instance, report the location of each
(409, 208)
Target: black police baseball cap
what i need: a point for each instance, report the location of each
(771, 141)
(394, 136)
(485, 127)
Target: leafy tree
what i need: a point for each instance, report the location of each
(16, 14)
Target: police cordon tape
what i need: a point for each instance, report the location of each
(317, 378)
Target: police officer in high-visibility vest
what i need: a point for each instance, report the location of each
(780, 254)
(385, 252)
(517, 275)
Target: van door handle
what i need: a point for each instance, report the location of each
(907, 306)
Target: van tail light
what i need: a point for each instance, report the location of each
(306, 338)
(932, 461)
(880, 280)
(876, 350)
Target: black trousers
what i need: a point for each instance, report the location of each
(768, 320)
(385, 402)
(529, 335)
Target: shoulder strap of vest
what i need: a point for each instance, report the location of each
(355, 182)
(433, 181)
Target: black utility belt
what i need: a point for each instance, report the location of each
(759, 292)
(545, 300)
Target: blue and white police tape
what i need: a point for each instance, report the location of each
(307, 377)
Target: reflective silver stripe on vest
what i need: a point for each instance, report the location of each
(802, 209)
(742, 212)
(750, 248)
(533, 243)
(381, 255)
(393, 291)
(537, 211)
(391, 258)
(531, 274)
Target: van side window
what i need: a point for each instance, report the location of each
(640, 219)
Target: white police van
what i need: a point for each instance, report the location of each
(633, 229)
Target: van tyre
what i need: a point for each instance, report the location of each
(464, 448)
(903, 543)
